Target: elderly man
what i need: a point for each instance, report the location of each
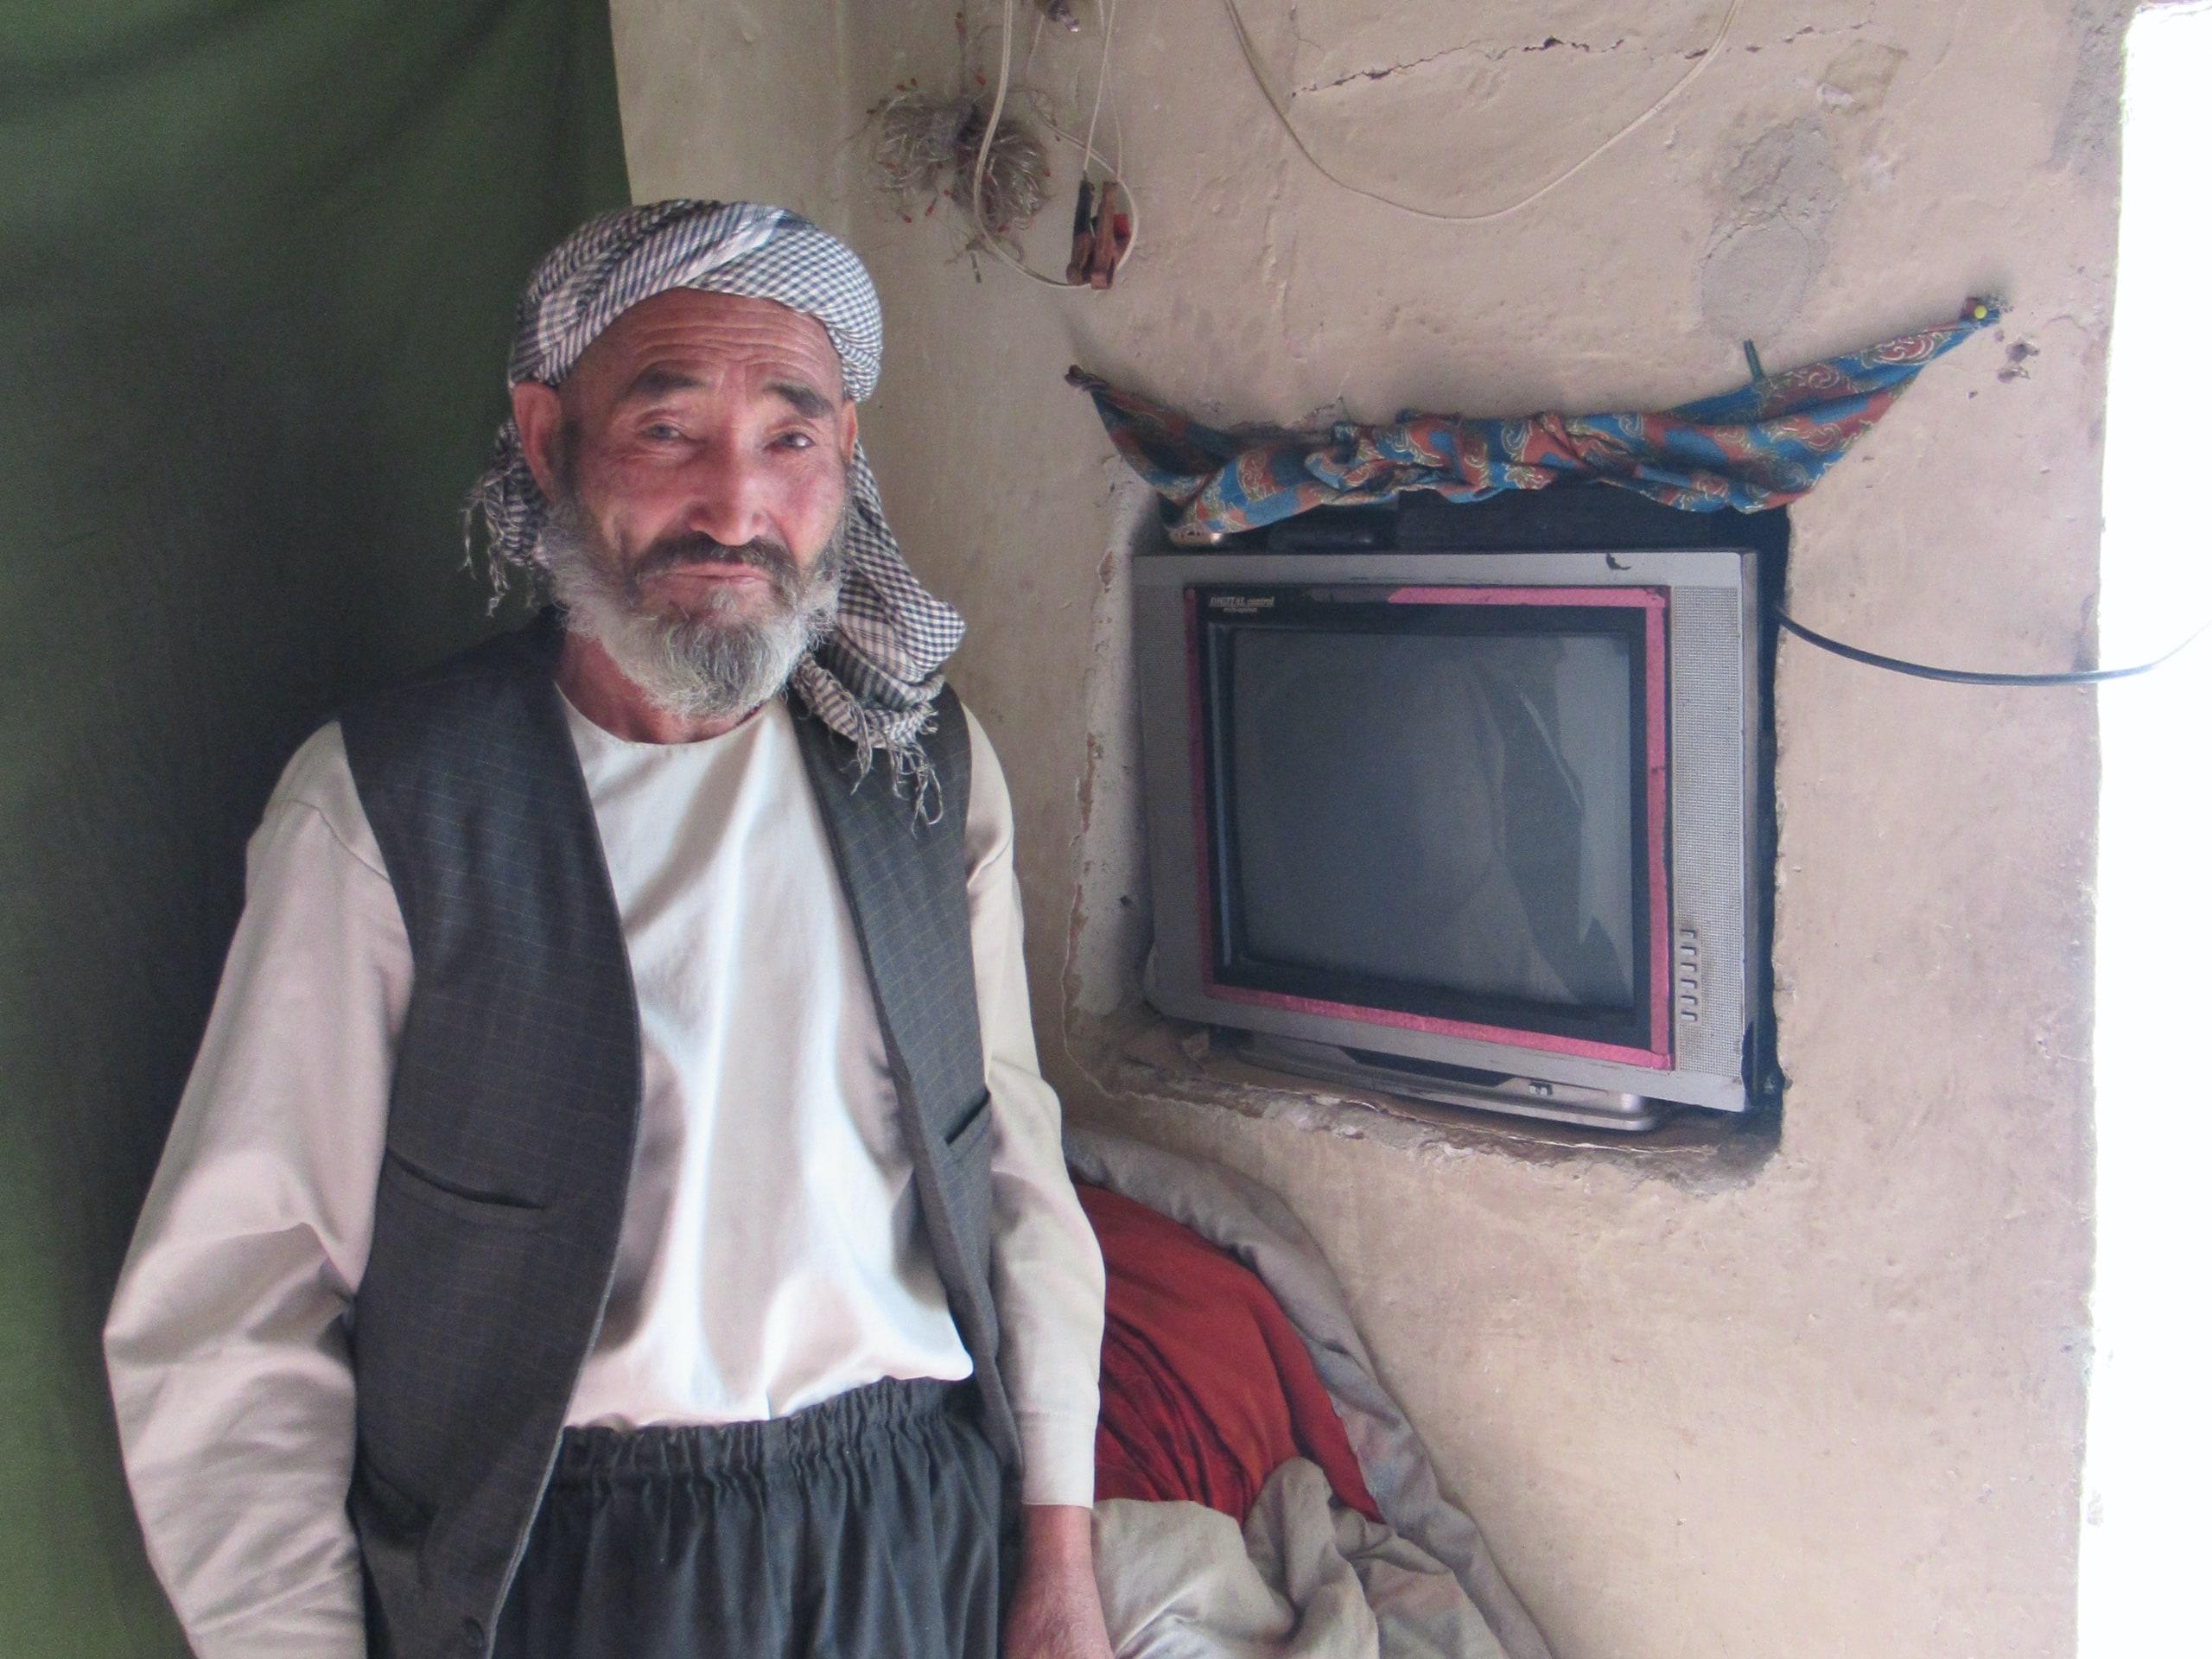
(616, 1211)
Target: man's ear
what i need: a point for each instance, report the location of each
(849, 428)
(537, 418)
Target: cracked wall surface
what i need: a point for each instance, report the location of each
(1828, 1403)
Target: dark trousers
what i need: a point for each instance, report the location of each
(868, 1526)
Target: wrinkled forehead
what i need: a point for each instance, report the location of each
(692, 339)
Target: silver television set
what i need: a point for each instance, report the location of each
(1480, 827)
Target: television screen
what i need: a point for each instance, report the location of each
(1435, 809)
(1447, 812)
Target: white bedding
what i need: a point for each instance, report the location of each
(1305, 1577)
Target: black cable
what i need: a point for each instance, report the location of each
(1972, 677)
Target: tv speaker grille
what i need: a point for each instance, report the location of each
(1708, 945)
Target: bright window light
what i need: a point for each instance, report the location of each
(2145, 1539)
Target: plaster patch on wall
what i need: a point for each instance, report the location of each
(1857, 81)
(1777, 202)
(1788, 171)
(1755, 277)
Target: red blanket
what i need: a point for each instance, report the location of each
(1205, 1389)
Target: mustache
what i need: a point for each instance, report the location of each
(762, 553)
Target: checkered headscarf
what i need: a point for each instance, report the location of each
(873, 680)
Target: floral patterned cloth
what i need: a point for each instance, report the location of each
(1761, 446)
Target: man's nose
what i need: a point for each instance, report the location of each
(731, 497)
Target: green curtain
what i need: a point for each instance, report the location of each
(258, 261)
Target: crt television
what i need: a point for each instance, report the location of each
(1481, 827)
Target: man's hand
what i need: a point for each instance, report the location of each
(1055, 1613)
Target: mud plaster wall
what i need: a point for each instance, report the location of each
(1831, 1405)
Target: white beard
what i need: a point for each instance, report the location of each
(713, 665)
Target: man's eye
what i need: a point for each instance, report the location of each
(662, 432)
(797, 441)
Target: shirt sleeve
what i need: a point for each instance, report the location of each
(227, 1343)
(1047, 1277)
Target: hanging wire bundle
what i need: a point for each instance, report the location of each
(926, 147)
(990, 161)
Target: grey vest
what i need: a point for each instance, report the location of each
(515, 1097)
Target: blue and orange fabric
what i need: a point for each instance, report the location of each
(1762, 445)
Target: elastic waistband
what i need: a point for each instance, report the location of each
(838, 1426)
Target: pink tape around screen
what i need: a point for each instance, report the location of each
(1660, 1054)
(1547, 1042)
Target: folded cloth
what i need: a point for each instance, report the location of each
(1206, 1388)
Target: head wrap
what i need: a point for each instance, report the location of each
(873, 680)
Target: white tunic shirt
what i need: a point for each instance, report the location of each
(770, 1254)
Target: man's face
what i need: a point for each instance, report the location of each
(696, 462)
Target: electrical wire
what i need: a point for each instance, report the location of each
(1281, 108)
(984, 232)
(1974, 677)
(1105, 55)
(1036, 38)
